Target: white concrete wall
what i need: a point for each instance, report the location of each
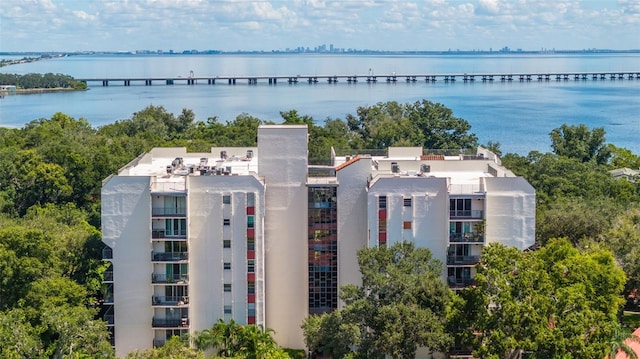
(429, 212)
(510, 212)
(283, 163)
(352, 219)
(126, 228)
(207, 277)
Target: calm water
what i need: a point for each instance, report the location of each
(518, 115)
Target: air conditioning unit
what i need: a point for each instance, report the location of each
(223, 155)
(395, 168)
(249, 154)
(425, 168)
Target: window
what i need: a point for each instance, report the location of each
(251, 266)
(226, 222)
(226, 199)
(226, 243)
(226, 265)
(227, 309)
(407, 202)
(250, 221)
(251, 288)
(251, 244)
(251, 199)
(251, 309)
(406, 224)
(227, 287)
(382, 202)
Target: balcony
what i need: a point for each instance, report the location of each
(168, 212)
(169, 256)
(459, 283)
(161, 233)
(107, 276)
(462, 260)
(158, 343)
(107, 253)
(174, 301)
(170, 279)
(466, 238)
(466, 214)
(170, 323)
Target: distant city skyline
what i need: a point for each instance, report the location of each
(280, 25)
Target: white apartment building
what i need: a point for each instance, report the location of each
(250, 234)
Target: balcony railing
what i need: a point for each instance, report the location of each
(161, 233)
(170, 323)
(107, 253)
(473, 214)
(466, 237)
(462, 260)
(170, 301)
(107, 276)
(158, 342)
(174, 278)
(109, 319)
(169, 256)
(168, 212)
(458, 283)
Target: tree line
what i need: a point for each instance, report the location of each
(51, 171)
(41, 81)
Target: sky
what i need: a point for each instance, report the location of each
(265, 25)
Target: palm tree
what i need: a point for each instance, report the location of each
(222, 336)
(619, 343)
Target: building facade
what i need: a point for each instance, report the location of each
(258, 236)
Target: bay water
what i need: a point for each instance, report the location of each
(519, 115)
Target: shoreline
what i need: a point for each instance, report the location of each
(38, 90)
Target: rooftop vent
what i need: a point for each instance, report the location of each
(223, 155)
(425, 168)
(395, 168)
(249, 154)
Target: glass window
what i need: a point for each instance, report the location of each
(251, 266)
(226, 243)
(226, 265)
(251, 309)
(251, 199)
(226, 199)
(226, 222)
(227, 309)
(407, 202)
(251, 244)
(227, 287)
(251, 288)
(250, 221)
(382, 202)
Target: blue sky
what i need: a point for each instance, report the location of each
(229, 25)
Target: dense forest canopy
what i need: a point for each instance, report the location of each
(41, 81)
(51, 172)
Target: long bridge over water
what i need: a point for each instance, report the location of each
(370, 78)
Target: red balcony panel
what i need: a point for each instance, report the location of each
(251, 254)
(382, 214)
(382, 236)
(251, 277)
(251, 320)
(251, 211)
(251, 298)
(251, 233)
